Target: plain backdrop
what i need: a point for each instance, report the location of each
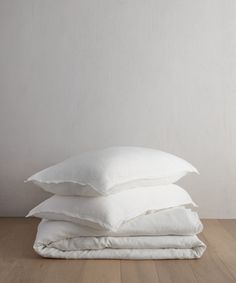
(81, 75)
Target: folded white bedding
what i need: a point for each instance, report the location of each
(146, 247)
(163, 235)
(112, 211)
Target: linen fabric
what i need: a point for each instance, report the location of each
(110, 212)
(112, 170)
(173, 237)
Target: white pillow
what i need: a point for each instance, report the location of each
(109, 212)
(111, 170)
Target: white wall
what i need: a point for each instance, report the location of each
(80, 75)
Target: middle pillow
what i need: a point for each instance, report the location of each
(109, 212)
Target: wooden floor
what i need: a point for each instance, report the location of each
(19, 263)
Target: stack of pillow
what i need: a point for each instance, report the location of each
(119, 202)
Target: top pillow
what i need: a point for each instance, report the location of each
(111, 170)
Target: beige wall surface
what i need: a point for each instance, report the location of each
(86, 74)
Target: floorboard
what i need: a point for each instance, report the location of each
(138, 271)
(175, 271)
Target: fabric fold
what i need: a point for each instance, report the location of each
(167, 234)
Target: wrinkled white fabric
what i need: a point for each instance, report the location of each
(111, 170)
(112, 211)
(148, 247)
(167, 234)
